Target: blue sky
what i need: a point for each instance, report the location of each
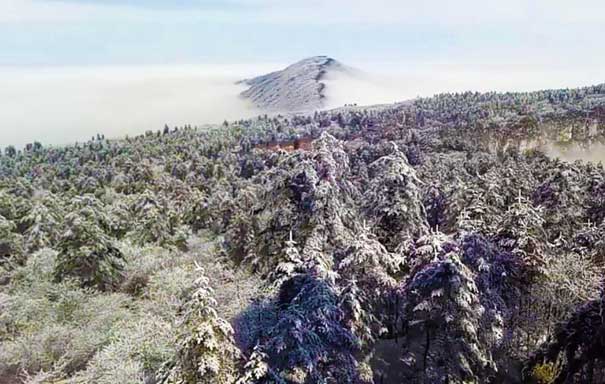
(116, 32)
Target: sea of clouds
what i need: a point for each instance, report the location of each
(64, 105)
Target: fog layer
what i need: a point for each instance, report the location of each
(58, 106)
(387, 83)
(594, 153)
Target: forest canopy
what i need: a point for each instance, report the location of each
(425, 242)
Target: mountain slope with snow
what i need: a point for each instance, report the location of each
(296, 88)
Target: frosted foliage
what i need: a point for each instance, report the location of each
(393, 201)
(205, 349)
(442, 321)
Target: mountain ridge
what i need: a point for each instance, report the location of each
(296, 88)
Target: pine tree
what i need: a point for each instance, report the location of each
(43, 223)
(87, 253)
(291, 264)
(206, 353)
(309, 341)
(393, 203)
(579, 343)
(368, 274)
(11, 243)
(441, 325)
(155, 222)
(521, 232)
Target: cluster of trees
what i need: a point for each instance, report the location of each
(396, 248)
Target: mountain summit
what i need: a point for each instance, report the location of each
(296, 88)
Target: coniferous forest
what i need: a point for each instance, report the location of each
(433, 241)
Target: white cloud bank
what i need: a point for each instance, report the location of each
(57, 106)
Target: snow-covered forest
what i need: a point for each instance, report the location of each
(433, 241)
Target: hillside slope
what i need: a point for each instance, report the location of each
(297, 88)
(414, 243)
